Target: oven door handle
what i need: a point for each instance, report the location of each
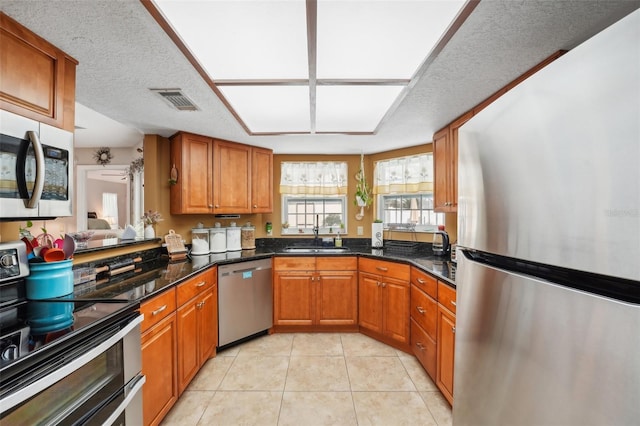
(132, 390)
(38, 386)
(32, 202)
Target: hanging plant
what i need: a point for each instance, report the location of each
(136, 166)
(363, 192)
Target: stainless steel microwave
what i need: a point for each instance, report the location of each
(36, 169)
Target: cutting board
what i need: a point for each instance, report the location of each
(175, 246)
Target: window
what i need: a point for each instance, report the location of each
(412, 212)
(404, 193)
(313, 193)
(303, 213)
(110, 208)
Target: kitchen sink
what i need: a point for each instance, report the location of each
(313, 249)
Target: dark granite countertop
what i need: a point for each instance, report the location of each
(155, 274)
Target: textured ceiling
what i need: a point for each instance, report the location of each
(123, 52)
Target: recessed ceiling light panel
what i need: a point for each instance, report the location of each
(271, 109)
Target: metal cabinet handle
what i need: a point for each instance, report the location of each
(217, 206)
(420, 309)
(382, 268)
(201, 283)
(452, 302)
(453, 329)
(200, 305)
(160, 309)
(210, 206)
(384, 284)
(255, 206)
(420, 346)
(420, 280)
(378, 283)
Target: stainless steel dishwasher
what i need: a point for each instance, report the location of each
(245, 300)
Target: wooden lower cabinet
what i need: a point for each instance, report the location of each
(159, 357)
(315, 293)
(383, 301)
(197, 325)
(424, 320)
(424, 348)
(337, 298)
(446, 341)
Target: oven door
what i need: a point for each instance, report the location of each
(100, 384)
(36, 161)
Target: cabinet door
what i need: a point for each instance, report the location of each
(441, 170)
(336, 298)
(261, 180)
(38, 79)
(188, 362)
(446, 349)
(159, 362)
(207, 325)
(293, 298)
(232, 184)
(395, 309)
(370, 302)
(192, 156)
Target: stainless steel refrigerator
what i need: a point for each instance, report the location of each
(548, 279)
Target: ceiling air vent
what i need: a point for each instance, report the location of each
(176, 99)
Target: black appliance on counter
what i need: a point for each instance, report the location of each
(65, 360)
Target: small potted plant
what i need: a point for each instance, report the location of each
(150, 218)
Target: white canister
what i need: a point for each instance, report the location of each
(233, 238)
(217, 239)
(200, 241)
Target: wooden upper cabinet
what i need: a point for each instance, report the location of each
(192, 155)
(261, 180)
(38, 79)
(445, 166)
(232, 177)
(220, 177)
(441, 171)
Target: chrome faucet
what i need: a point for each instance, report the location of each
(316, 230)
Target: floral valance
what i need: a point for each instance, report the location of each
(313, 178)
(404, 175)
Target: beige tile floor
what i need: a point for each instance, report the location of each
(306, 379)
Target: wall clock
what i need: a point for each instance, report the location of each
(103, 155)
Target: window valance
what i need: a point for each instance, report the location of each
(404, 175)
(313, 178)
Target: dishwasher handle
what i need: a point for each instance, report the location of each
(242, 271)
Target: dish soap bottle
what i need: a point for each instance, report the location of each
(338, 240)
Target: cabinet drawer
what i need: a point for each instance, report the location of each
(447, 296)
(384, 268)
(424, 311)
(330, 263)
(194, 286)
(294, 263)
(425, 282)
(158, 308)
(424, 348)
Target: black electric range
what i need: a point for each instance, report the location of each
(31, 330)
